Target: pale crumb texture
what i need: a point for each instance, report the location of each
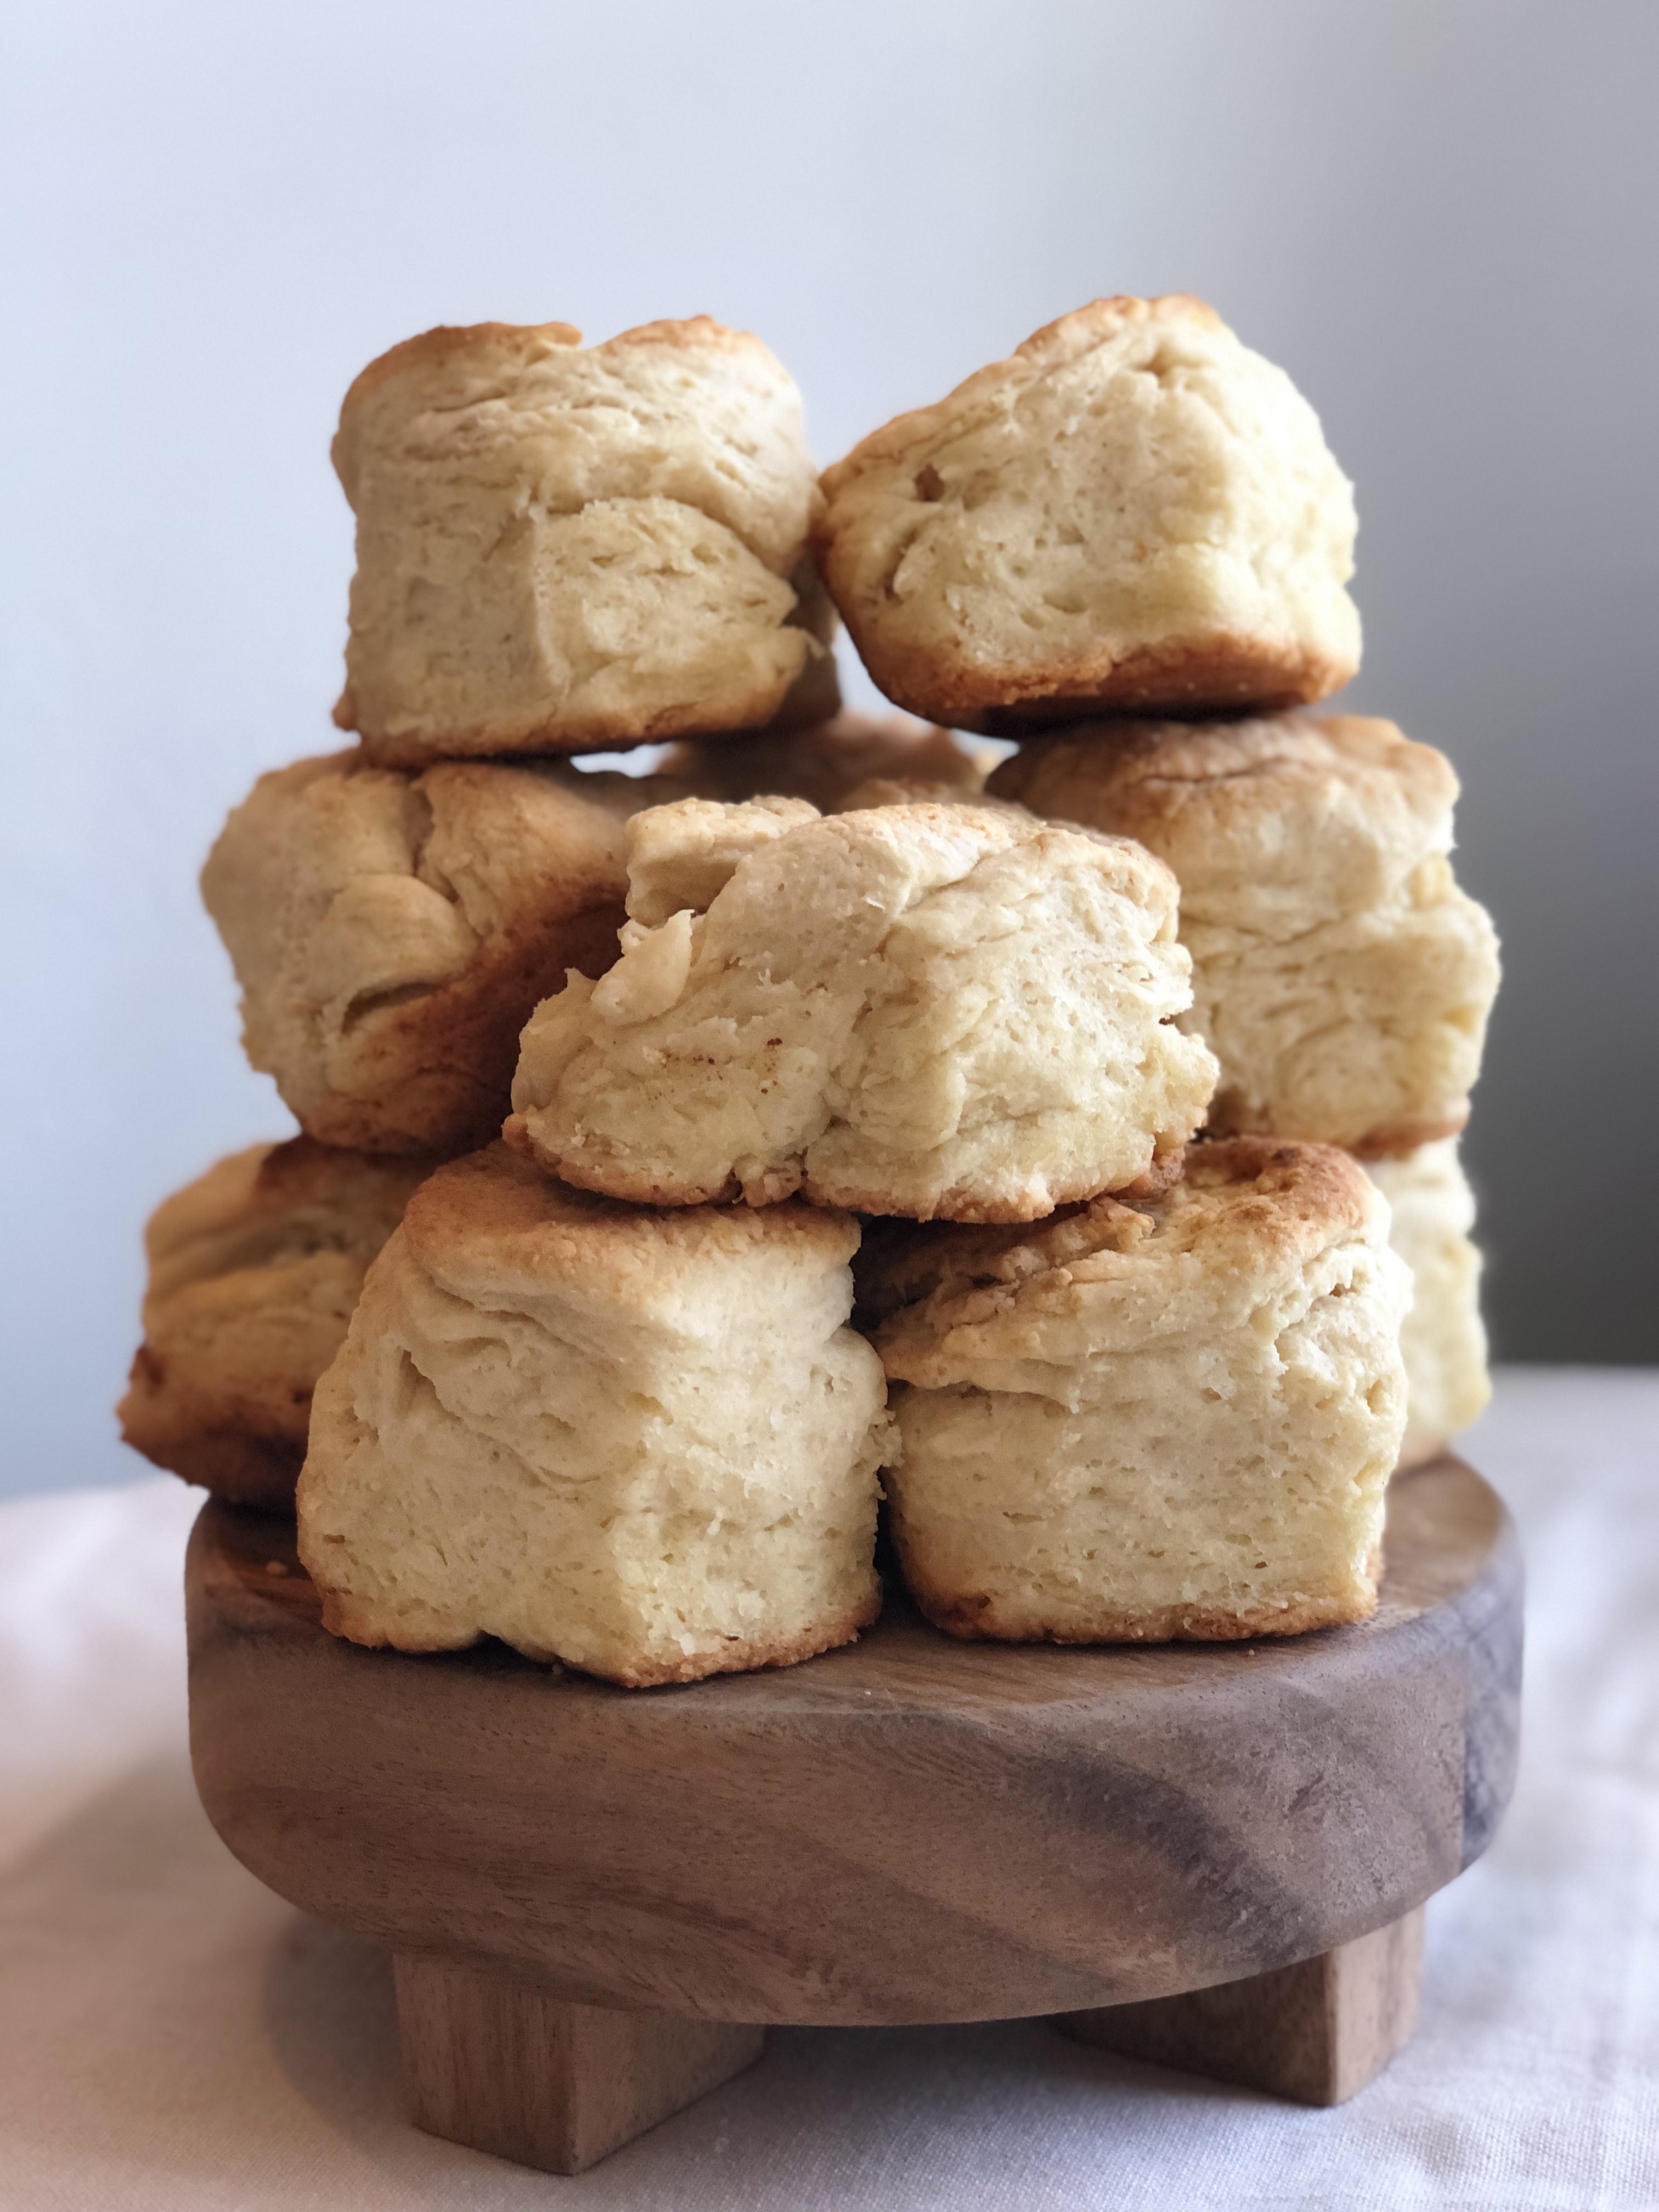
(1134, 510)
(1444, 1339)
(254, 1270)
(828, 761)
(684, 855)
(1340, 975)
(1175, 1419)
(562, 548)
(644, 1444)
(928, 1010)
(391, 931)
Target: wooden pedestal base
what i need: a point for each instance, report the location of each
(906, 1830)
(502, 2067)
(1315, 2032)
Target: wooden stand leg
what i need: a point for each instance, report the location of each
(504, 2068)
(1314, 2032)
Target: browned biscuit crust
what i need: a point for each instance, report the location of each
(1204, 676)
(357, 1624)
(254, 1269)
(1203, 793)
(962, 1203)
(1284, 1201)
(658, 1433)
(565, 549)
(594, 733)
(1396, 1139)
(1132, 511)
(1341, 976)
(173, 1425)
(1173, 1420)
(493, 1220)
(622, 1179)
(438, 1070)
(328, 884)
(924, 1009)
(824, 763)
(977, 1619)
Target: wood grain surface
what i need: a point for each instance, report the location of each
(910, 1829)
(1316, 2032)
(510, 2069)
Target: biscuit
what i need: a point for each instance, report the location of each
(827, 762)
(916, 791)
(391, 931)
(254, 1269)
(1340, 976)
(930, 1010)
(643, 1443)
(1134, 511)
(1173, 1420)
(1443, 1341)
(563, 549)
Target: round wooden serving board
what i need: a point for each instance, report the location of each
(911, 1829)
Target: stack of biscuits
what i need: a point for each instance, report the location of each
(690, 1158)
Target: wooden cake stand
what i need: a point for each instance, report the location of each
(1214, 1856)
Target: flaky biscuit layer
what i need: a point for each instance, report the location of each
(825, 762)
(391, 931)
(1340, 975)
(935, 1009)
(1443, 1340)
(254, 1270)
(1173, 1418)
(642, 1443)
(562, 549)
(1132, 511)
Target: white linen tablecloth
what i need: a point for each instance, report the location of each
(176, 2037)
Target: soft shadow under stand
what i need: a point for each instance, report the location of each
(597, 1900)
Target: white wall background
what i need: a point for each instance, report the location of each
(1439, 214)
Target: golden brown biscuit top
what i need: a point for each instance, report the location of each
(493, 1225)
(274, 1203)
(451, 349)
(850, 867)
(1331, 810)
(982, 396)
(1244, 1208)
(825, 762)
(499, 840)
(455, 370)
(438, 350)
(470, 434)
